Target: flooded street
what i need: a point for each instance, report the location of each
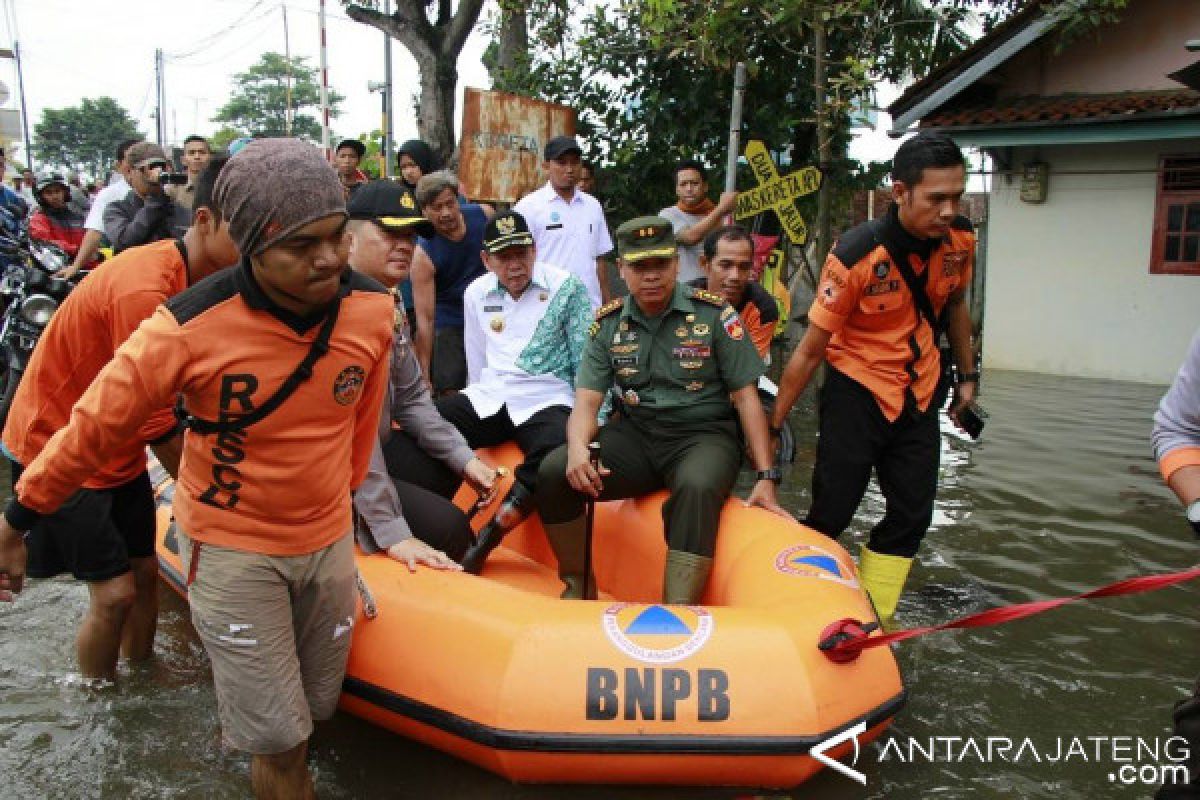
(1062, 495)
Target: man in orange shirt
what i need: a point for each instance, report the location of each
(876, 407)
(105, 534)
(727, 269)
(280, 365)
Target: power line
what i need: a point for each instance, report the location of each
(205, 41)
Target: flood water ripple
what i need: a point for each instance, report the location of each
(1060, 496)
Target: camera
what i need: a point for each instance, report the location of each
(173, 179)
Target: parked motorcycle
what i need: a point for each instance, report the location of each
(29, 296)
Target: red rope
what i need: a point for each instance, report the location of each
(849, 646)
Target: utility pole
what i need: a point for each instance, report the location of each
(24, 110)
(159, 117)
(324, 86)
(824, 146)
(387, 96)
(287, 55)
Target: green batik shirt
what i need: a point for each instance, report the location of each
(676, 368)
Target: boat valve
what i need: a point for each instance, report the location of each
(840, 641)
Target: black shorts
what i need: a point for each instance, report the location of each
(95, 533)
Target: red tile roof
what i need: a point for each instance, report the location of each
(1064, 108)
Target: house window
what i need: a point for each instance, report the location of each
(1176, 247)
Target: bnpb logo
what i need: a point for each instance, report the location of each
(657, 634)
(810, 561)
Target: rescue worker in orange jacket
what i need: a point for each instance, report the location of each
(105, 535)
(876, 407)
(281, 364)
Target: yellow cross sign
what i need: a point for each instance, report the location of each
(777, 192)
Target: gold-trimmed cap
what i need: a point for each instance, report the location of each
(645, 237)
(508, 229)
(390, 206)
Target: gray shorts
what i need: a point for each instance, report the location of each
(277, 631)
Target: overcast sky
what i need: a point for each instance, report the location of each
(73, 49)
(88, 48)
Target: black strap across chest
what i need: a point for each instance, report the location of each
(302, 373)
(916, 284)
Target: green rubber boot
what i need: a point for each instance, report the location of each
(567, 540)
(685, 577)
(883, 577)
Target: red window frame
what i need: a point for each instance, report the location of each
(1175, 248)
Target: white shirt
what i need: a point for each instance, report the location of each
(572, 235)
(114, 191)
(524, 353)
(689, 255)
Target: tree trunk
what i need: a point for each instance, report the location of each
(513, 46)
(435, 47)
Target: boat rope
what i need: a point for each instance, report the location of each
(843, 640)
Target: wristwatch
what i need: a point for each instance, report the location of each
(1193, 515)
(773, 474)
(968, 377)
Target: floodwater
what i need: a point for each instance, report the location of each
(1060, 496)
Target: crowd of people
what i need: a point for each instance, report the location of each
(378, 333)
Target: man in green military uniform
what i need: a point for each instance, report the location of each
(684, 365)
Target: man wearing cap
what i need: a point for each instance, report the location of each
(146, 214)
(346, 158)
(281, 367)
(397, 513)
(524, 333)
(567, 223)
(688, 373)
(524, 329)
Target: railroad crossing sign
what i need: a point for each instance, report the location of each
(777, 192)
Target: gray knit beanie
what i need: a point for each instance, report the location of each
(274, 187)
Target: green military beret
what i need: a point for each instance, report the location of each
(645, 237)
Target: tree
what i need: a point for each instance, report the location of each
(261, 104)
(83, 137)
(223, 137)
(435, 42)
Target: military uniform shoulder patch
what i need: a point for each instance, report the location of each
(609, 307)
(708, 297)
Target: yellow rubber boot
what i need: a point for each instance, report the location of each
(685, 577)
(883, 577)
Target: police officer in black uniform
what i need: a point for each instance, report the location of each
(688, 372)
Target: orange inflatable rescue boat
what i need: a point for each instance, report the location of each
(498, 670)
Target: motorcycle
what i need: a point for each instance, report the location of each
(29, 296)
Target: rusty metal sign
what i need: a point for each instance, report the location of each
(500, 155)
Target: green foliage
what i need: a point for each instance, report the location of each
(83, 137)
(1075, 17)
(260, 99)
(652, 81)
(220, 140)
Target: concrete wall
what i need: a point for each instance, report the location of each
(1135, 54)
(1068, 287)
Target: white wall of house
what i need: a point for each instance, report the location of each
(1136, 54)
(1068, 287)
